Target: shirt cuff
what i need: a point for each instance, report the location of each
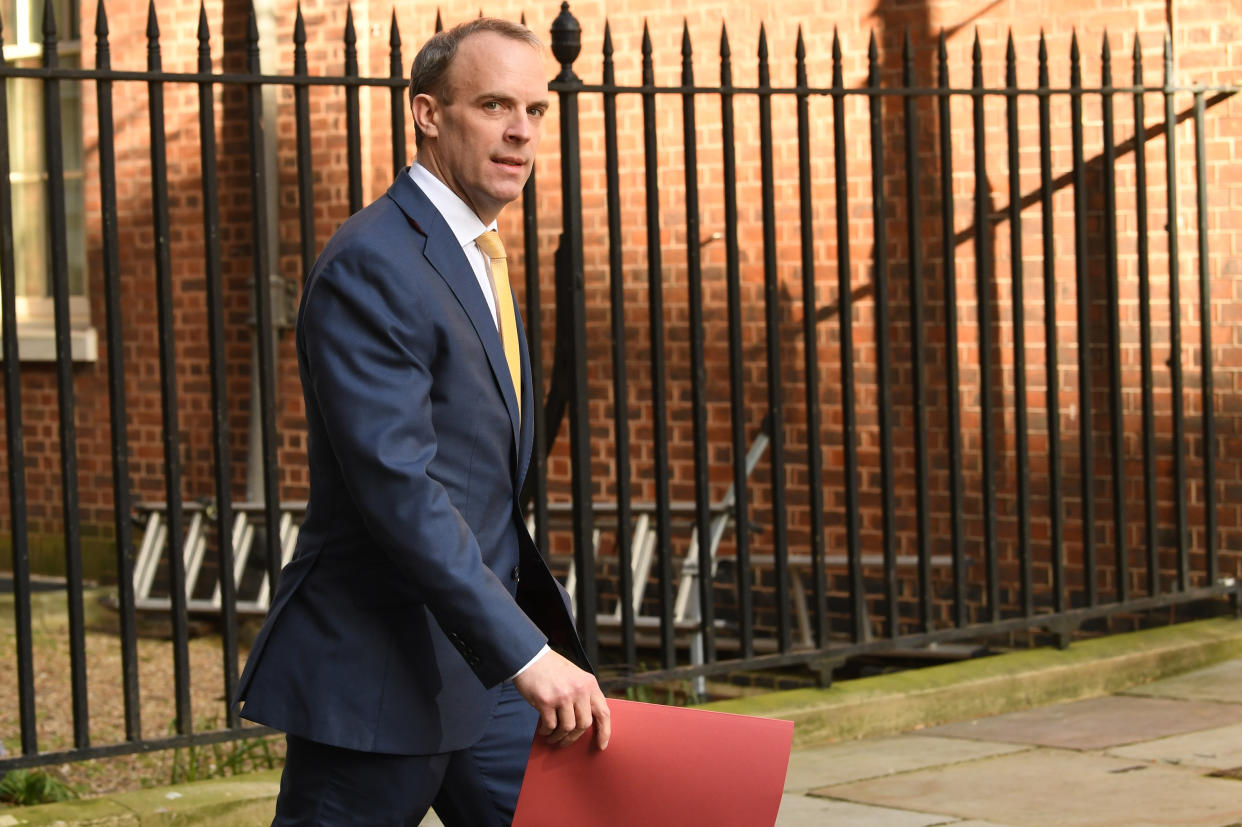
(531, 662)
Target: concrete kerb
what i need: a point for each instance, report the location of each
(878, 705)
(226, 802)
(903, 701)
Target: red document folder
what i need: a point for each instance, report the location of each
(665, 766)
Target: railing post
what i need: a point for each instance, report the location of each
(859, 629)
(306, 187)
(122, 497)
(535, 489)
(737, 385)
(1150, 527)
(14, 440)
(1086, 445)
(1117, 444)
(566, 45)
(170, 409)
(984, 283)
(914, 236)
(397, 96)
(655, 321)
(883, 332)
(620, 385)
(698, 391)
(353, 127)
(810, 349)
(264, 472)
(1206, 391)
(213, 271)
(53, 152)
(1055, 519)
(952, 369)
(1176, 380)
(1018, 293)
(772, 322)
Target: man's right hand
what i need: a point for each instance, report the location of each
(568, 700)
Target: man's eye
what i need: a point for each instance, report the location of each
(492, 106)
(535, 112)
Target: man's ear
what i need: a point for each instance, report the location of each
(426, 113)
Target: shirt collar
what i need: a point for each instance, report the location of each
(465, 225)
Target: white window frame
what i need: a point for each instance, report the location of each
(36, 329)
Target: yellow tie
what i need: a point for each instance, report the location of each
(489, 243)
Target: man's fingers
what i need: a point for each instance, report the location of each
(582, 721)
(574, 719)
(565, 721)
(582, 709)
(603, 722)
(547, 721)
(593, 711)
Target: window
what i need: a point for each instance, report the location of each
(23, 47)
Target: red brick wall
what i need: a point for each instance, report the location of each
(1202, 57)
(1203, 41)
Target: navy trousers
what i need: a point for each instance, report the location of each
(473, 787)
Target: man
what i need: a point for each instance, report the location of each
(406, 652)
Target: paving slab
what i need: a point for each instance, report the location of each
(1215, 749)
(875, 757)
(1062, 787)
(1221, 683)
(1097, 723)
(810, 811)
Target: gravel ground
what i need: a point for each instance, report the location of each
(106, 703)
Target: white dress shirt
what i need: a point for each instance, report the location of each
(465, 225)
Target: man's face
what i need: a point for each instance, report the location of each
(482, 131)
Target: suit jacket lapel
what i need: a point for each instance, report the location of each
(444, 253)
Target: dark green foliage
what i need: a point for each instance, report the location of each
(26, 787)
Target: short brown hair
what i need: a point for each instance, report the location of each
(433, 60)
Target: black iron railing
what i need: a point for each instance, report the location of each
(726, 597)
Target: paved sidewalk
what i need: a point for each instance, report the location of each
(1156, 754)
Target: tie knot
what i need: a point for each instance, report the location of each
(489, 242)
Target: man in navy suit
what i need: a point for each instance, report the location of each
(417, 641)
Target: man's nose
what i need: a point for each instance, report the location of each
(519, 128)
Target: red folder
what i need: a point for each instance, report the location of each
(664, 766)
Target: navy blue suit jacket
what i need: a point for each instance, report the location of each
(402, 610)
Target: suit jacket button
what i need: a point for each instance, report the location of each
(515, 573)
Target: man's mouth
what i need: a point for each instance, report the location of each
(508, 161)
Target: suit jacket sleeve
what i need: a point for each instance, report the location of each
(372, 336)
